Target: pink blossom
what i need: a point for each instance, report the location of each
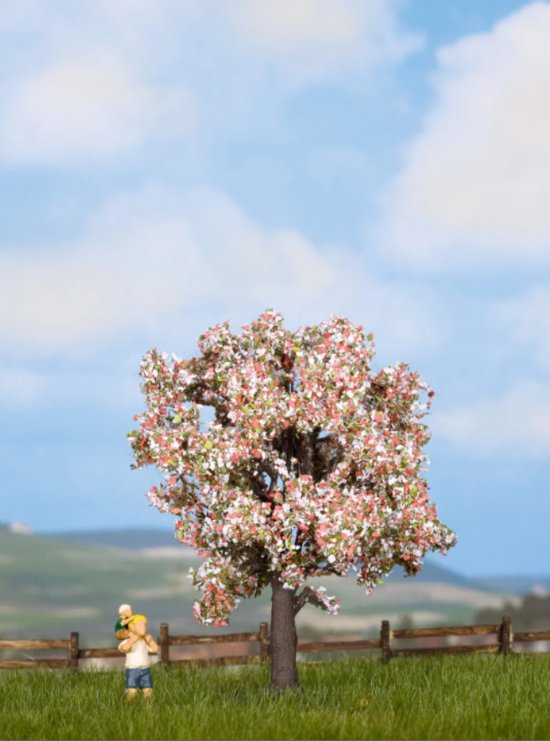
(312, 463)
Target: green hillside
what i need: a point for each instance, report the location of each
(132, 539)
(50, 586)
(147, 538)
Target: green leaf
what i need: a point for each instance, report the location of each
(209, 445)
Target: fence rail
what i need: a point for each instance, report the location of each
(504, 641)
(459, 630)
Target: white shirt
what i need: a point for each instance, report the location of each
(138, 656)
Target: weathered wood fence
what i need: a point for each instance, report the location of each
(496, 638)
(74, 654)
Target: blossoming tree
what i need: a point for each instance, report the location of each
(312, 464)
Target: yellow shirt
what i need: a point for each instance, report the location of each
(119, 625)
(137, 617)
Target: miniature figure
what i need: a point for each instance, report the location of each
(137, 646)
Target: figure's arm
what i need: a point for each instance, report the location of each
(153, 646)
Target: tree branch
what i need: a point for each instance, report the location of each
(306, 595)
(300, 600)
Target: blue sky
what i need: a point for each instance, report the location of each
(165, 165)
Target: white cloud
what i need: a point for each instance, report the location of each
(317, 37)
(476, 181)
(95, 79)
(519, 420)
(289, 25)
(526, 319)
(167, 258)
(87, 108)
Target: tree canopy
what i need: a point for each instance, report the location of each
(309, 463)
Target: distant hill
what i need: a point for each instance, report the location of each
(53, 584)
(433, 572)
(142, 539)
(520, 584)
(131, 539)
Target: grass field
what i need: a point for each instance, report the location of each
(470, 697)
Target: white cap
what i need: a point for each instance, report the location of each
(124, 607)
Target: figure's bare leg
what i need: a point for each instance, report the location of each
(139, 627)
(148, 693)
(130, 695)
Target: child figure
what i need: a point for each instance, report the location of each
(133, 628)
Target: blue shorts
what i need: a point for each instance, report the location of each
(139, 679)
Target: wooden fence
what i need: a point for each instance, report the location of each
(496, 638)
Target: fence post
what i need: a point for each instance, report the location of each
(164, 643)
(263, 637)
(385, 640)
(505, 635)
(73, 651)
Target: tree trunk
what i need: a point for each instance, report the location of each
(283, 638)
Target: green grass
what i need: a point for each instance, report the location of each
(470, 697)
